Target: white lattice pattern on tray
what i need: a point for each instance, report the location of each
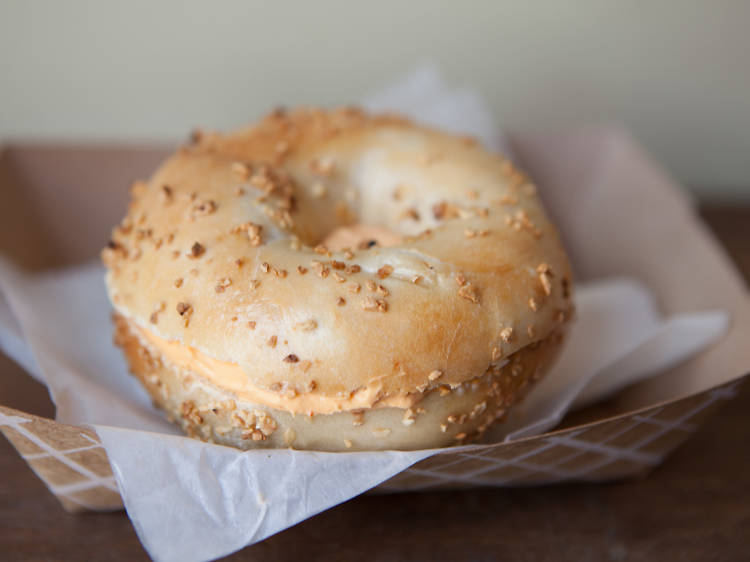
(70, 464)
(605, 450)
(74, 465)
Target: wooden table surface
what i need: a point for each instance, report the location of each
(694, 507)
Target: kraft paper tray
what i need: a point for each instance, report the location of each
(591, 180)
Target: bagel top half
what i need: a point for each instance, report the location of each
(219, 261)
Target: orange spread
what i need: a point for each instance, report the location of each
(232, 377)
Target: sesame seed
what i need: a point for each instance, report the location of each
(416, 279)
(353, 287)
(301, 270)
(445, 210)
(340, 301)
(224, 282)
(348, 443)
(203, 208)
(410, 213)
(353, 268)
(307, 325)
(252, 324)
(385, 271)
(469, 292)
(155, 314)
(291, 358)
(533, 305)
(409, 417)
(338, 277)
(272, 341)
(185, 310)
(251, 230)
(506, 334)
(196, 136)
(167, 194)
(521, 221)
(546, 281)
(178, 282)
(265, 267)
(371, 304)
(435, 375)
(197, 250)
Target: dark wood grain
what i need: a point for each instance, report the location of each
(694, 507)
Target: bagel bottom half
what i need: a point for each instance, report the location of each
(443, 417)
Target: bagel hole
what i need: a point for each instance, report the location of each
(360, 236)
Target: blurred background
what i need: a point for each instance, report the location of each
(676, 73)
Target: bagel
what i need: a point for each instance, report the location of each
(333, 280)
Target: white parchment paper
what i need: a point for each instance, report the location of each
(190, 500)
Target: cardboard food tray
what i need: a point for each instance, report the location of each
(59, 203)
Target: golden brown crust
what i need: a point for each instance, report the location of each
(442, 418)
(219, 252)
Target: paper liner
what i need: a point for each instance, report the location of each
(73, 464)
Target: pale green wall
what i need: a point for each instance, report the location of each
(676, 72)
